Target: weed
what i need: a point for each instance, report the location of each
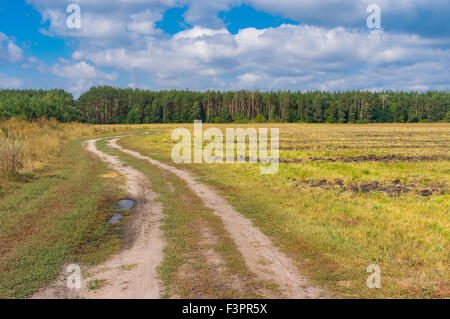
(96, 284)
(127, 267)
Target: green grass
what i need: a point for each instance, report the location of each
(96, 284)
(127, 267)
(60, 215)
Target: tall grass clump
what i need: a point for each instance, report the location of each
(26, 146)
(12, 156)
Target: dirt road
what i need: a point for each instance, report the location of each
(131, 273)
(262, 258)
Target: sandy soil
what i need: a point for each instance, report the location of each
(132, 272)
(265, 260)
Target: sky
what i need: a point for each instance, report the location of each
(225, 45)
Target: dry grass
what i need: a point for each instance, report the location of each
(54, 203)
(28, 146)
(12, 156)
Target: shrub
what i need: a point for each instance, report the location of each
(260, 119)
(447, 118)
(241, 120)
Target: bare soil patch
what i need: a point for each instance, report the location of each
(392, 158)
(394, 188)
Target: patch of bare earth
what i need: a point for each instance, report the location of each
(262, 258)
(143, 250)
(394, 188)
(392, 158)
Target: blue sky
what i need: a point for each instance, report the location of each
(225, 44)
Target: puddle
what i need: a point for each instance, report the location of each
(124, 204)
(115, 219)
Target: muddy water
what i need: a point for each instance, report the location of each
(124, 204)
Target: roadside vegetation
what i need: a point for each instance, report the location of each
(346, 197)
(54, 203)
(28, 146)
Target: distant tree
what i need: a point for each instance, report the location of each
(225, 116)
(260, 119)
(447, 117)
(134, 116)
(196, 113)
(332, 113)
(437, 107)
(109, 105)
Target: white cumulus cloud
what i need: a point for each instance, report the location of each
(7, 82)
(81, 75)
(331, 49)
(9, 51)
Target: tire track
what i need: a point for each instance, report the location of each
(262, 258)
(132, 273)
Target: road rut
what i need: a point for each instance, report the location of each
(262, 258)
(132, 273)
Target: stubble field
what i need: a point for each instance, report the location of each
(345, 197)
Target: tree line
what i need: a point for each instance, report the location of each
(109, 105)
(32, 104)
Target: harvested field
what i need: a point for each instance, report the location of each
(394, 188)
(345, 197)
(371, 158)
